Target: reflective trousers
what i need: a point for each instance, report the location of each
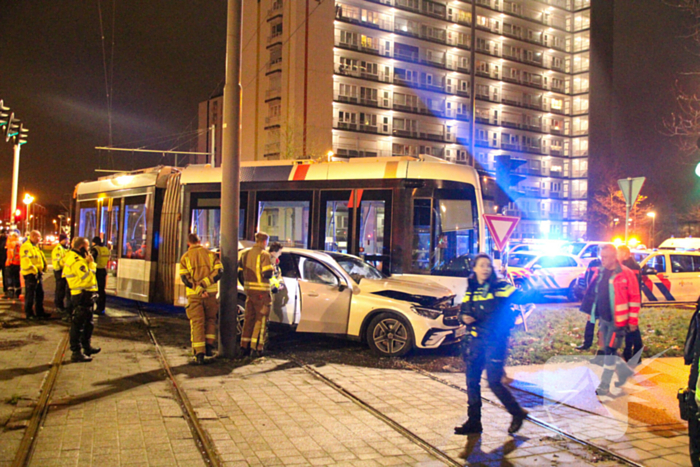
(257, 313)
(487, 353)
(62, 296)
(101, 276)
(202, 313)
(33, 295)
(81, 321)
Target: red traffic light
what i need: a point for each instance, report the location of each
(18, 215)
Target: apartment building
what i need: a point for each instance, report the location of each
(383, 78)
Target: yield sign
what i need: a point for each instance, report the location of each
(630, 188)
(501, 228)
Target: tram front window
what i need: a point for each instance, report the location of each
(88, 223)
(455, 227)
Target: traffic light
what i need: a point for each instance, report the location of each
(21, 137)
(19, 215)
(4, 114)
(12, 127)
(507, 180)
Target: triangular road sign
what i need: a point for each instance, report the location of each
(501, 228)
(630, 188)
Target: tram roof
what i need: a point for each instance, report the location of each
(426, 168)
(352, 169)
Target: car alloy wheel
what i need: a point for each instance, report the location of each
(390, 336)
(240, 318)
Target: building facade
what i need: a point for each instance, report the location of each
(463, 82)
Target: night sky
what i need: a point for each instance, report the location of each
(169, 56)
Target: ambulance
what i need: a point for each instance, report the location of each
(670, 276)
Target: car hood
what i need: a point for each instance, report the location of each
(427, 293)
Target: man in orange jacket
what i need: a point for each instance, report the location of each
(613, 298)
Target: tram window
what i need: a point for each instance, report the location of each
(87, 226)
(422, 245)
(337, 225)
(286, 222)
(455, 227)
(135, 228)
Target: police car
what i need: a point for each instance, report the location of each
(670, 276)
(584, 251)
(551, 274)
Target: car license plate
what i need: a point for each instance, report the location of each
(460, 331)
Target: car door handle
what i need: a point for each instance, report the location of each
(313, 294)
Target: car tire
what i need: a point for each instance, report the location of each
(240, 316)
(389, 335)
(522, 285)
(571, 292)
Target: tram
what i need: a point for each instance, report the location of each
(407, 216)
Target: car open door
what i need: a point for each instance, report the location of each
(325, 298)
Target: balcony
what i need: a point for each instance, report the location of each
(347, 99)
(360, 73)
(432, 136)
(410, 57)
(405, 108)
(533, 149)
(361, 48)
(274, 65)
(273, 93)
(508, 124)
(275, 38)
(272, 148)
(510, 146)
(480, 119)
(405, 133)
(273, 120)
(276, 9)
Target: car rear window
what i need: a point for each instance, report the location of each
(682, 263)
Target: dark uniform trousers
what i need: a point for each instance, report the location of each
(202, 313)
(694, 423)
(62, 292)
(34, 295)
(257, 312)
(633, 345)
(101, 275)
(13, 281)
(487, 352)
(81, 322)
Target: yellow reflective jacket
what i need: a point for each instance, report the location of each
(200, 270)
(79, 273)
(58, 255)
(31, 259)
(102, 256)
(255, 267)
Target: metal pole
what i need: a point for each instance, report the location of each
(212, 146)
(472, 88)
(230, 185)
(627, 205)
(15, 182)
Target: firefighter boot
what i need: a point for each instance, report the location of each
(209, 350)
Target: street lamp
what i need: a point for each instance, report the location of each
(28, 200)
(652, 214)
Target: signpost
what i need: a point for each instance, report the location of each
(630, 190)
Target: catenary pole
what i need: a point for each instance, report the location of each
(15, 183)
(230, 184)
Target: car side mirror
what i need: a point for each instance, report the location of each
(649, 271)
(536, 267)
(342, 287)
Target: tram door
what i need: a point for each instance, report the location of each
(373, 214)
(109, 230)
(336, 220)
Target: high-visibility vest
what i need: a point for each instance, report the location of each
(32, 259)
(79, 273)
(200, 266)
(58, 255)
(102, 256)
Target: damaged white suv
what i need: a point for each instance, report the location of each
(340, 294)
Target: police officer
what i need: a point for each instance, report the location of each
(58, 255)
(200, 270)
(255, 270)
(79, 271)
(486, 310)
(101, 255)
(690, 398)
(12, 265)
(33, 265)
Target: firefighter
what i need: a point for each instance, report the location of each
(33, 265)
(79, 271)
(200, 270)
(101, 255)
(255, 271)
(58, 255)
(12, 266)
(486, 310)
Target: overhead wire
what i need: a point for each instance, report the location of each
(109, 81)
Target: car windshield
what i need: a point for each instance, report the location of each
(573, 248)
(356, 268)
(519, 260)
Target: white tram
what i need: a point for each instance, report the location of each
(407, 216)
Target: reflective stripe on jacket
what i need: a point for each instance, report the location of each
(256, 266)
(58, 256)
(13, 258)
(102, 257)
(32, 259)
(623, 288)
(79, 273)
(201, 268)
(490, 305)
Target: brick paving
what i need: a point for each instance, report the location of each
(120, 410)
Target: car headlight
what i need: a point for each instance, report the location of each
(426, 312)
